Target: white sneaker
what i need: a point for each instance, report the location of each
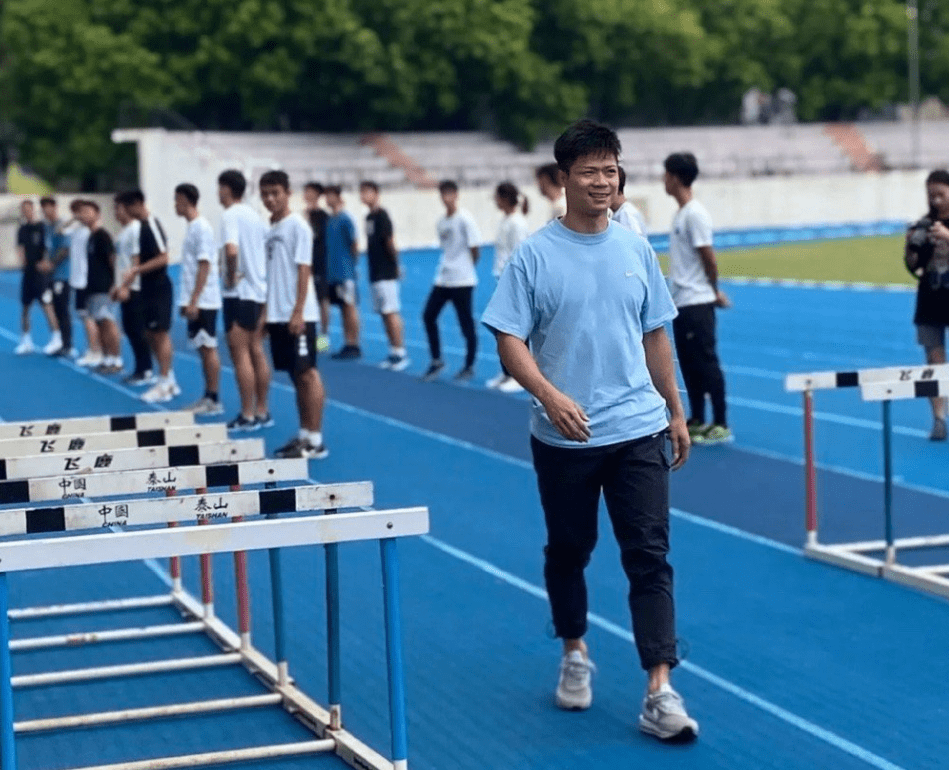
(25, 347)
(664, 716)
(206, 406)
(495, 381)
(90, 358)
(573, 689)
(159, 393)
(55, 344)
(509, 385)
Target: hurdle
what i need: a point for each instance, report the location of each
(876, 385)
(270, 534)
(126, 439)
(105, 424)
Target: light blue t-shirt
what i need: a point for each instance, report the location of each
(55, 241)
(340, 236)
(584, 302)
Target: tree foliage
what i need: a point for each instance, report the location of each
(72, 69)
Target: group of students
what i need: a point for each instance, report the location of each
(257, 277)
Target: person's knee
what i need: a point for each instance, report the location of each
(568, 557)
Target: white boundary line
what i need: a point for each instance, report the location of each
(784, 715)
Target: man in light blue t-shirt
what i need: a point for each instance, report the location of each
(341, 252)
(589, 297)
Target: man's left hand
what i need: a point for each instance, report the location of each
(190, 312)
(681, 443)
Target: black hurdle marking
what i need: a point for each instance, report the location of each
(148, 438)
(127, 422)
(15, 491)
(926, 388)
(848, 379)
(46, 520)
(184, 455)
(278, 501)
(3, 469)
(222, 475)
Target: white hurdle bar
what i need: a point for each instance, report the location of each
(104, 424)
(126, 439)
(128, 545)
(73, 463)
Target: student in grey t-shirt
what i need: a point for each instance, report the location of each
(590, 298)
(693, 275)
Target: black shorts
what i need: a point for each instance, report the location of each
(285, 349)
(343, 293)
(322, 288)
(156, 304)
(244, 312)
(33, 288)
(81, 296)
(202, 331)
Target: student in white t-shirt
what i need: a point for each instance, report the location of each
(512, 232)
(292, 313)
(199, 295)
(693, 275)
(243, 235)
(78, 277)
(548, 182)
(624, 212)
(133, 322)
(455, 279)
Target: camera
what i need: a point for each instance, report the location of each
(919, 233)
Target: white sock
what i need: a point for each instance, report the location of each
(400, 352)
(26, 337)
(56, 337)
(316, 437)
(304, 434)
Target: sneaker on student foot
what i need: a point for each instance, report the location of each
(715, 434)
(465, 375)
(665, 717)
(322, 343)
(54, 345)
(395, 363)
(264, 420)
(25, 347)
(137, 379)
(347, 353)
(159, 393)
(300, 447)
(510, 385)
(91, 359)
(434, 369)
(573, 688)
(241, 423)
(939, 430)
(495, 381)
(206, 406)
(696, 428)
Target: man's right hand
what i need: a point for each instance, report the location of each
(568, 418)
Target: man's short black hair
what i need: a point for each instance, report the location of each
(91, 204)
(583, 138)
(47, 200)
(621, 181)
(315, 186)
(939, 176)
(370, 184)
(275, 178)
(333, 189)
(234, 181)
(130, 197)
(683, 166)
(447, 185)
(189, 192)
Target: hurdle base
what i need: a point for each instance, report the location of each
(841, 556)
(317, 719)
(918, 577)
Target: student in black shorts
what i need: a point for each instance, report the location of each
(100, 258)
(35, 286)
(150, 263)
(318, 217)
(292, 313)
(927, 258)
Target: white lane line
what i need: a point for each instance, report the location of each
(788, 717)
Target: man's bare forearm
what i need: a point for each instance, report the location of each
(661, 368)
(517, 359)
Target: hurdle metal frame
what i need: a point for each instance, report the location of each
(271, 534)
(884, 385)
(199, 615)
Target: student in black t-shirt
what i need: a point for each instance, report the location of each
(35, 286)
(150, 263)
(100, 255)
(927, 257)
(318, 217)
(384, 274)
